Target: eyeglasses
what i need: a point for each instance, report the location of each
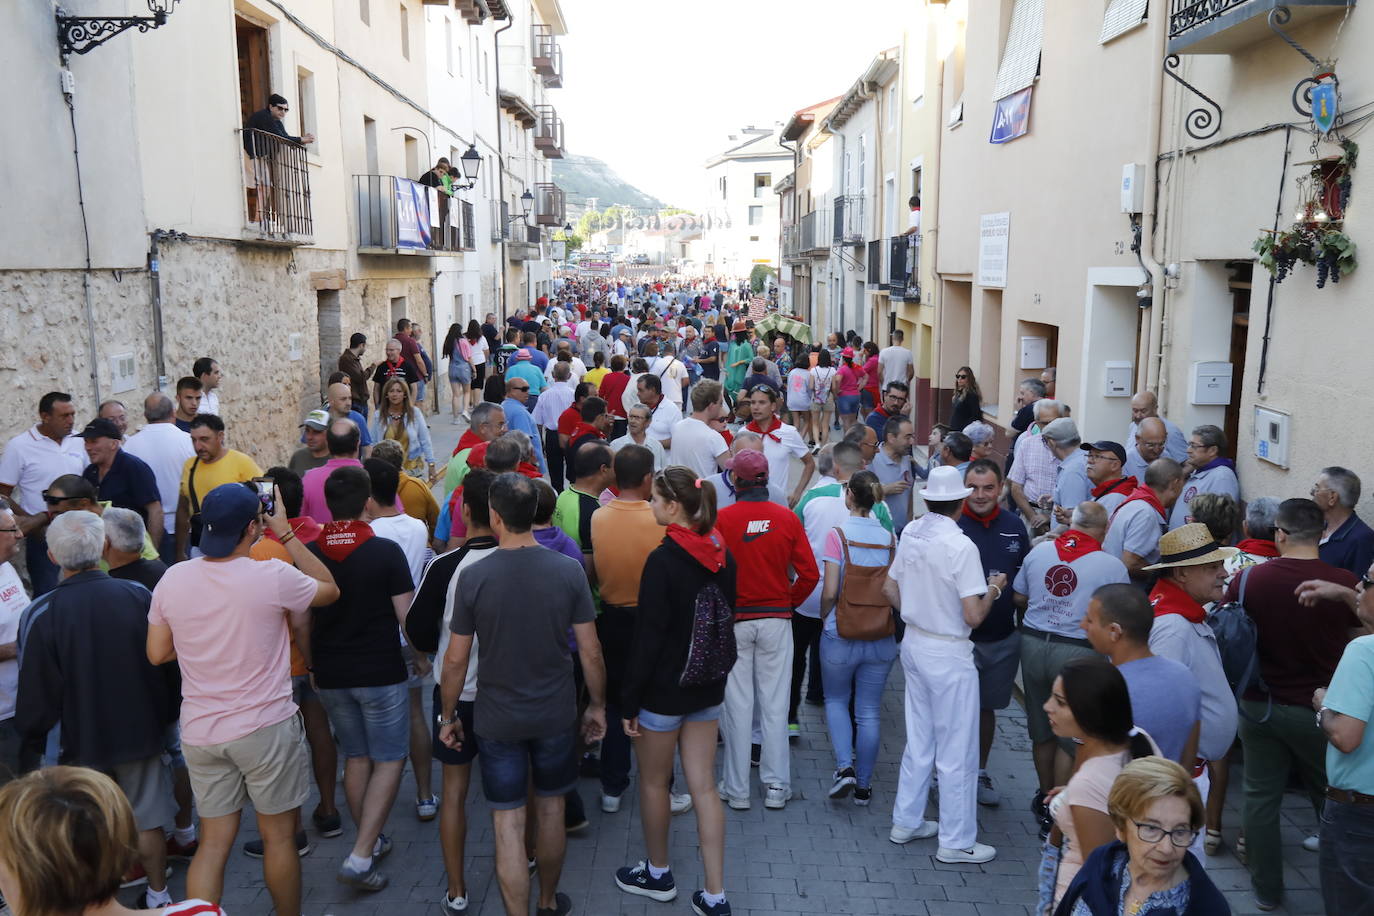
(1181, 837)
(1196, 446)
(281, 108)
(897, 398)
(15, 530)
(1094, 456)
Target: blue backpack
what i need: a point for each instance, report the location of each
(1238, 642)
(711, 653)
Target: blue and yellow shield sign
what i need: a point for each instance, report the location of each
(1324, 106)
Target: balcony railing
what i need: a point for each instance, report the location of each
(524, 243)
(849, 220)
(875, 262)
(547, 56)
(548, 132)
(276, 184)
(468, 225)
(550, 208)
(1223, 26)
(904, 267)
(400, 216)
(815, 234)
(791, 242)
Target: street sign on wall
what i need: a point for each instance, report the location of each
(993, 235)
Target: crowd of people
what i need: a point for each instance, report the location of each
(660, 533)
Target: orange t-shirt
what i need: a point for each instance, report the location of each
(624, 533)
(268, 548)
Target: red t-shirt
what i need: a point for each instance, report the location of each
(871, 369)
(612, 390)
(767, 540)
(567, 420)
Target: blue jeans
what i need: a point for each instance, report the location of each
(508, 768)
(1347, 856)
(372, 722)
(861, 667)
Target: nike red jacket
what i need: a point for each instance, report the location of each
(769, 545)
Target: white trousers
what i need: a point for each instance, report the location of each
(762, 675)
(941, 730)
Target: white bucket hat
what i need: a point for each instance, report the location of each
(945, 484)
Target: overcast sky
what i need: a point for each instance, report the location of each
(654, 86)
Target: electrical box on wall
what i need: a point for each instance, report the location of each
(1116, 379)
(1035, 352)
(1210, 384)
(1271, 436)
(1133, 188)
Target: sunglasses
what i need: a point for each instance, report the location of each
(54, 500)
(520, 388)
(280, 108)
(961, 376)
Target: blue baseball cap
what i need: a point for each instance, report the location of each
(226, 511)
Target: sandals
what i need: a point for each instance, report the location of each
(1211, 843)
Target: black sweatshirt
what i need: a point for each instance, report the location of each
(663, 633)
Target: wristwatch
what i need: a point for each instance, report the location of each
(1319, 716)
(444, 723)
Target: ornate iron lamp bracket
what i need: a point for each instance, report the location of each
(1321, 70)
(80, 34)
(1201, 124)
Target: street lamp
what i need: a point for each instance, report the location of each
(79, 34)
(526, 204)
(471, 163)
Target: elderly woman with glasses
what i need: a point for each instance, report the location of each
(1157, 812)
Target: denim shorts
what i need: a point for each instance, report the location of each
(372, 722)
(508, 767)
(847, 403)
(171, 745)
(470, 747)
(301, 691)
(657, 722)
(460, 371)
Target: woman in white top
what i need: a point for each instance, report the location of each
(822, 396)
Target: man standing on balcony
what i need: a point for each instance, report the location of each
(913, 235)
(261, 165)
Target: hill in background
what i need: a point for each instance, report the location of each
(583, 177)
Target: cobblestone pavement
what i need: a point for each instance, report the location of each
(814, 856)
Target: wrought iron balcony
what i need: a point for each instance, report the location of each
(276, 185)
(815, 234)
(875, 263)
(524, 244)
(467, 236)
(1225, 26)
(547, 56)
(500, 220)
(548, 132)
(400, 216)
(904, 267)
(549, 205)
(791, 242)
(849, 220)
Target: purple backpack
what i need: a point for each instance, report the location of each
(711, 653)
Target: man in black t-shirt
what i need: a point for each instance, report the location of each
(359, 669)
(394, 366)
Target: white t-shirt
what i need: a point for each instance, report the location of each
(209, 403)
(780, 454)
(479, 351)
(31, 461)
(1058, 592)
(799, 389)
(13, 600)
(673, 373)
(893, 363)
(665, 417)
(936, 567)
(652, 444)
(696, 445)
(577, 369)
(412, 536)
(165, 449)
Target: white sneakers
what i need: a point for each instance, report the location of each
(776, 797)
(610, 803)
(977, 854)
(901, 835)
(680, 803)
(738, 803)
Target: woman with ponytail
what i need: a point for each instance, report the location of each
(865, 663)
(1090, 705)
(674, 683)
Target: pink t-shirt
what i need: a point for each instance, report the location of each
(849, 379)
(313, 483)
(871, 371)
(228, 622)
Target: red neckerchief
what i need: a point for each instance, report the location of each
(883, 413)
(1073, 544)
(1258, 547)
(1168, 598)
(394, 368)
(753, 427)
(984, 520)
(528, 470)
(706, 549)
(728, 437)
(468, 439)
(1145, 494)
(1120, 485)
(583, 428)
(477, 458)
(339, 539)
(305, 528)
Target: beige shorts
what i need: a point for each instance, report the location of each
(269, 767)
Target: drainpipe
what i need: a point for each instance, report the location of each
(500, 161)
(1154, 272)
(933, 234)
(155, 297)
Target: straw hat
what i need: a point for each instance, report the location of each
(1190, 545)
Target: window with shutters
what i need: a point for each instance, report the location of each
(1021, 54)
(1121, 17)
